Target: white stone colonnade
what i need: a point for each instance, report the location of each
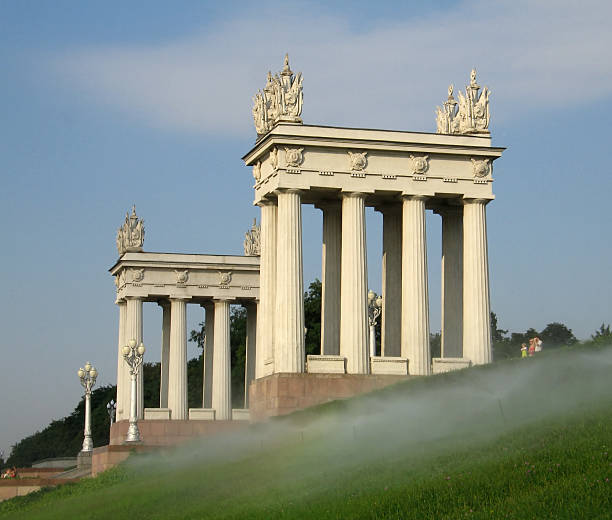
(400, 174)
(173, 281)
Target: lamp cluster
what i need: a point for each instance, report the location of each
(375, 304)
(133, 356)
(87, 376)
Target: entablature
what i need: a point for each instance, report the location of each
(372, 161)
(197, 278)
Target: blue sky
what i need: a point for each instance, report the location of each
(109, 104)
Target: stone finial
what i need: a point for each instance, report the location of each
(471, 116)
(130, 236)
(280, 100)
(252, 240)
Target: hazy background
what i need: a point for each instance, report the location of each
(105, 105)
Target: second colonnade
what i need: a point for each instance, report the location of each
(344, 320)
(216, 390)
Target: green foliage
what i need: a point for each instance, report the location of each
(312, 317)
(602, 335)
(435, 344)
(198, 336)
(64, 437)
(238, 337)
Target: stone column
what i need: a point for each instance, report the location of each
(354, 286)
(123, 374)
(391, 330)
(415, 298)
(476, 310)
(209, 330)
(289, 319)
(452, 282)
(133, 331)
(165, 354)
(330, 277)
(177, 369)
(267, 290)
(222, 369)
(251, 349)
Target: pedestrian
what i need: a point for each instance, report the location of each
(524, 350)
(538, 344)
(531, 347)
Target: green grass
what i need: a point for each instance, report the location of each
(520, 439)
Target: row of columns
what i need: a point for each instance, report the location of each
(344, 324)
(216, 391)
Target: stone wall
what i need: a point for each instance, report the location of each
(169, 433)
(10, 488)
(280, 394)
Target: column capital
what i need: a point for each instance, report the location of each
(135, 298)
(424, 198)
(475, 201)
(228, 299)
(353, 194)
(178, 298)
(266, 202)
(295, 191)
(120, 301)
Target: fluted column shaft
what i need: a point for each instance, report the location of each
(452, 282)
(354, 286)
(177, 369)
(267, 290)
(209, 346)
(133, 331)
(251, 349)
(222, 377)
(476, 307)
(123, 374)
(330, 278)
(391, 330)
(415, 298)
(165, 355)
(289, 319)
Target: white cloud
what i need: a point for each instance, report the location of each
(533, 55)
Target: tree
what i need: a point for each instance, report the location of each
(64, 437)
(312, 317)
(602, 335)
(556, 335)
(497, 334)
(435, 344)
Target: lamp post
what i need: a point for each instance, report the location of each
(111, 406)
(87, 376)
(374, 309)
(133, 356)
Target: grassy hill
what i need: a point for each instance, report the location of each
(527, 438)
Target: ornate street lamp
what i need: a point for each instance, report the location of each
(375, 303)
(133, 357)
(111, 406)
(87, 377)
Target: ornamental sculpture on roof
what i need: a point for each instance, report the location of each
(252, 240)
(470, 115)
(280, 100)
(130, 236)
